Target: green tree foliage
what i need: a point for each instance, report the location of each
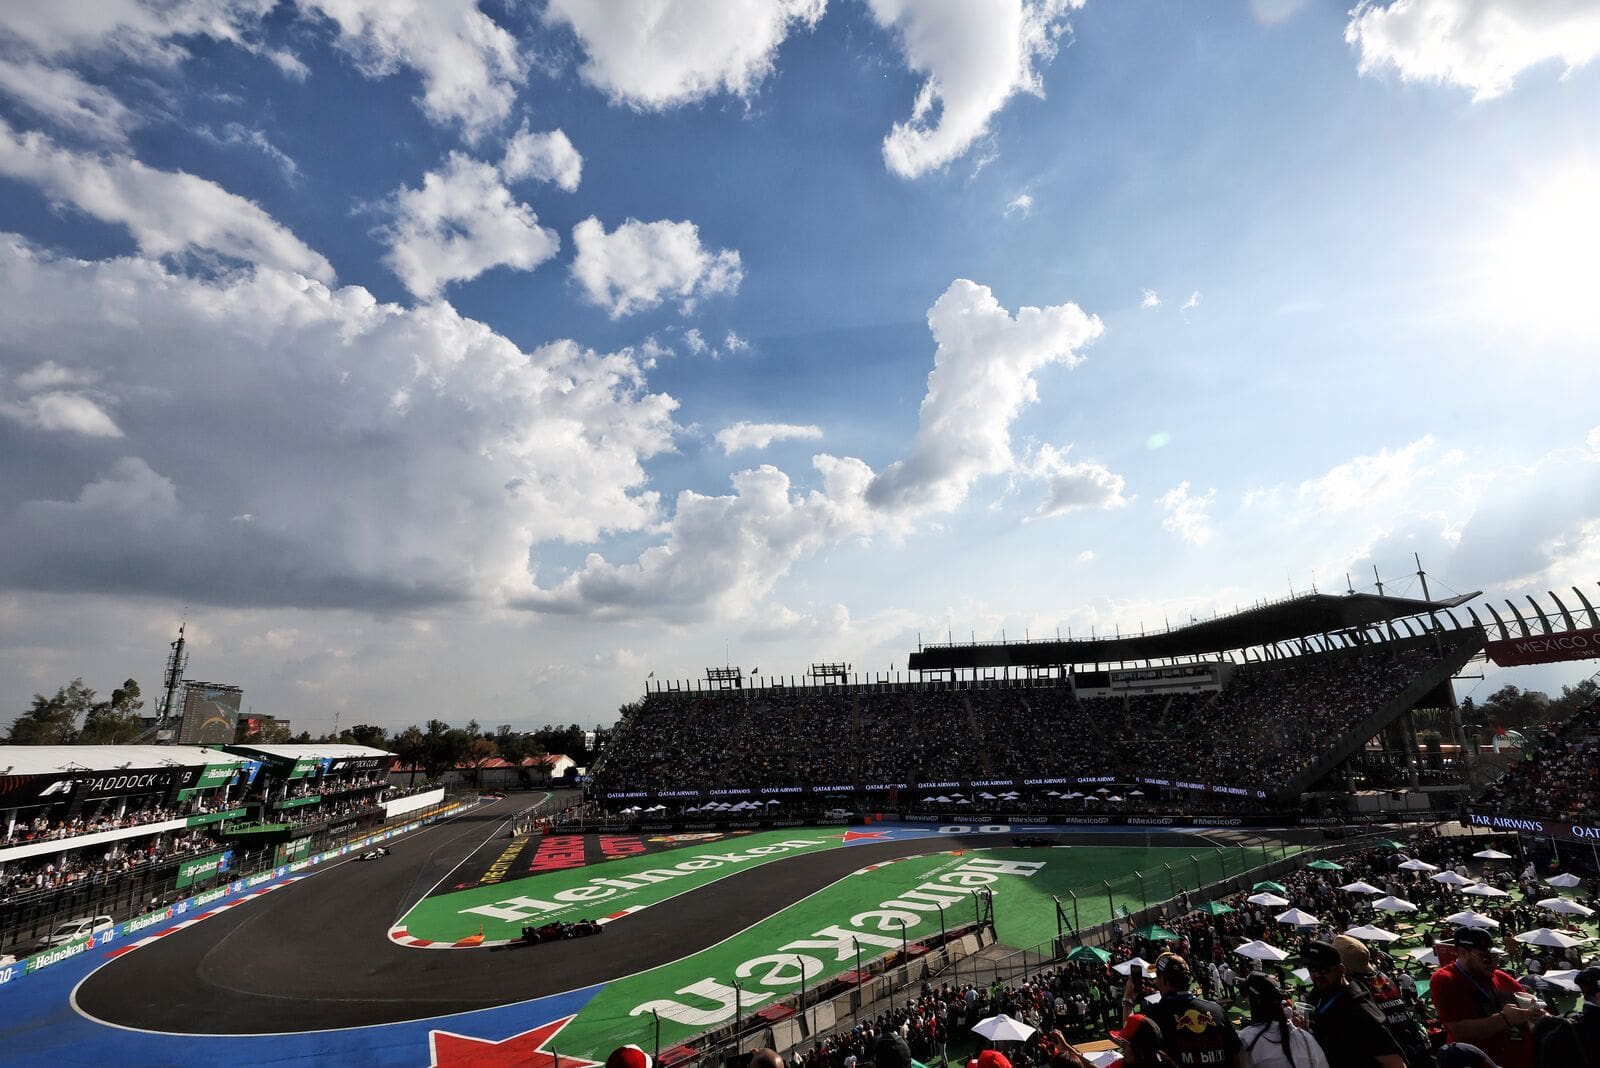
(365, 734)
(114, 722)
(53, 720)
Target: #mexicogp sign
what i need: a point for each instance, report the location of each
(191, 871)
(1546, 648)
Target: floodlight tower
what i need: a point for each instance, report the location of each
(172, 681)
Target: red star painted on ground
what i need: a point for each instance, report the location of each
(524, 1051)
(862, 836)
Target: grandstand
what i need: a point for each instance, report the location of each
(88, 829)
(1248, 710)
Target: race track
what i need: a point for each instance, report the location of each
(315, 955)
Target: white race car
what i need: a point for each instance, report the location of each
(374, 854)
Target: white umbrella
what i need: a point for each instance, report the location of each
(1565, 907)
(1449, 878)
(1369, 933)
(1126, 966)
(1394, 904)
(1297, 918)
(774, 801)
(1003, 1028)
(1302, 974)
(1546, 937)
(1424, 955)
(1259, 950)
(1491, 854)
(1269, 900)
(1135, 793)
(1103, 1058)
(1114, 797)
(1102, 790)
(987, 796)
(1418, 865)
(1471, 919)
(1565, 882)
(1484, 890)
(962, 801)
(1073, 796)
(1361, 888)
(1563, 979)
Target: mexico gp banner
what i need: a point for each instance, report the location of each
(1545, 648)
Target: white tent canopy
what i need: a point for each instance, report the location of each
(1491, 854)
(1003, 1028)
(1393, 904)
(1258, 950)
(1269, 900)
(1564, 882)
(1565, 907)
(1361, 888)
(1544, 936)
(1418, 865)
(1471, 919)
(1449, 878)
(1127, 966)
(1369, 933)
(1484, 890)
(1297, 918)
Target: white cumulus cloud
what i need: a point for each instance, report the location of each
(1070, 486)
(638, 265)
(741, 436)
(974, 57)
(385, 456)
(1481, 45)
(1188, 516)
(167, 212)
(982, 378)
(545, 157)
(461, 222)
(67, 100)
(654, 54)
(1151, 299)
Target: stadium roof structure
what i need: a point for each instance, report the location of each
(312, 751)
(1278, 621)
(59, 759)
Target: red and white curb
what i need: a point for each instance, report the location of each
(401, 937)
(235, 903)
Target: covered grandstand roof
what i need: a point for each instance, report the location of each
(58, 759)
(311, 751)
(1279, 621)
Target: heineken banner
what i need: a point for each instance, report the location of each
(289, 852)
(214, 817)
(192, 871)
(213, 776)
(297, 802)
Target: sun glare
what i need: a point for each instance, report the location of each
(1542, 261)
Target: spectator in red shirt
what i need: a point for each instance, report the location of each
(1478, 1002)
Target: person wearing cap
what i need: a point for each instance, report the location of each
(1141, 1042)
(1344, 1020)
(629, 1056)
(1478, 1003)
(1587, 1019)
(891, 1051)
(1390, 999)
(1195, 1033)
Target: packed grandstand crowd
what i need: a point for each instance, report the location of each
(1560, 778)
(62, 870)
(1267, 726)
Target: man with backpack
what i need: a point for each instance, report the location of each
(1398, 1014)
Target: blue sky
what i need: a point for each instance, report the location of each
(477, 359)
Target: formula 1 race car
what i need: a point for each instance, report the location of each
(374, 854)
(556, 932)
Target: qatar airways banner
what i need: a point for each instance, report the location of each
(1546, 827)
(1546, 648)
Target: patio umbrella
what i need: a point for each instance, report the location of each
(1565, 907)
(1073, 796)
(1135, 793)
(1297, 918)
(1215, 908)
(1484, 890)
(1103, 790)
(1369, 933)
(1418, 865)
(1361, 888)
(1003, 1028)
(1302, 974)
(1491, 854)
(1269, 900)
(962, 801)
(1270, 887)
(1388, 843)
(1127, 965)
(987, 796)
(1449, 878)
(1394, 904)
(1115, 798)
(772, 802)
(1565, 882)
(1470, 919)
(1424, 955)
(1546, 937)
(1156, 933)
(1563, 979)
(1325, 865)
(1094, 953)
(1259, 950)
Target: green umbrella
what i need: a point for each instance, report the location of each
(1276, 888)
(1388, 843)
(1215, 908)
(1325, 865)
(1156, 933)
(1094, 953)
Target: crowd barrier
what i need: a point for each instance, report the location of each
(13, 973)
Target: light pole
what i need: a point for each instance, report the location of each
(1077, 927)
(1199, 880)
(859, 979)
(1143, 900)
(802, 962)
(943, 935)
(1172, 883)
(1111, 904)
(738, 1012)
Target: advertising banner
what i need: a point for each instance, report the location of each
(191, 871)
(1545, 648)
(1548, 827)
(214, 817)
(213, 776)
(297, 802)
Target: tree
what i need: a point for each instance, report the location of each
(53, 720)
(114, 722)
(409, 745)
(366, 734)
(1514, 709)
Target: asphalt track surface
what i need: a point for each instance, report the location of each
(316, 955)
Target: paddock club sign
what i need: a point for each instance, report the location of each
(1545, 648)
(23, 790)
